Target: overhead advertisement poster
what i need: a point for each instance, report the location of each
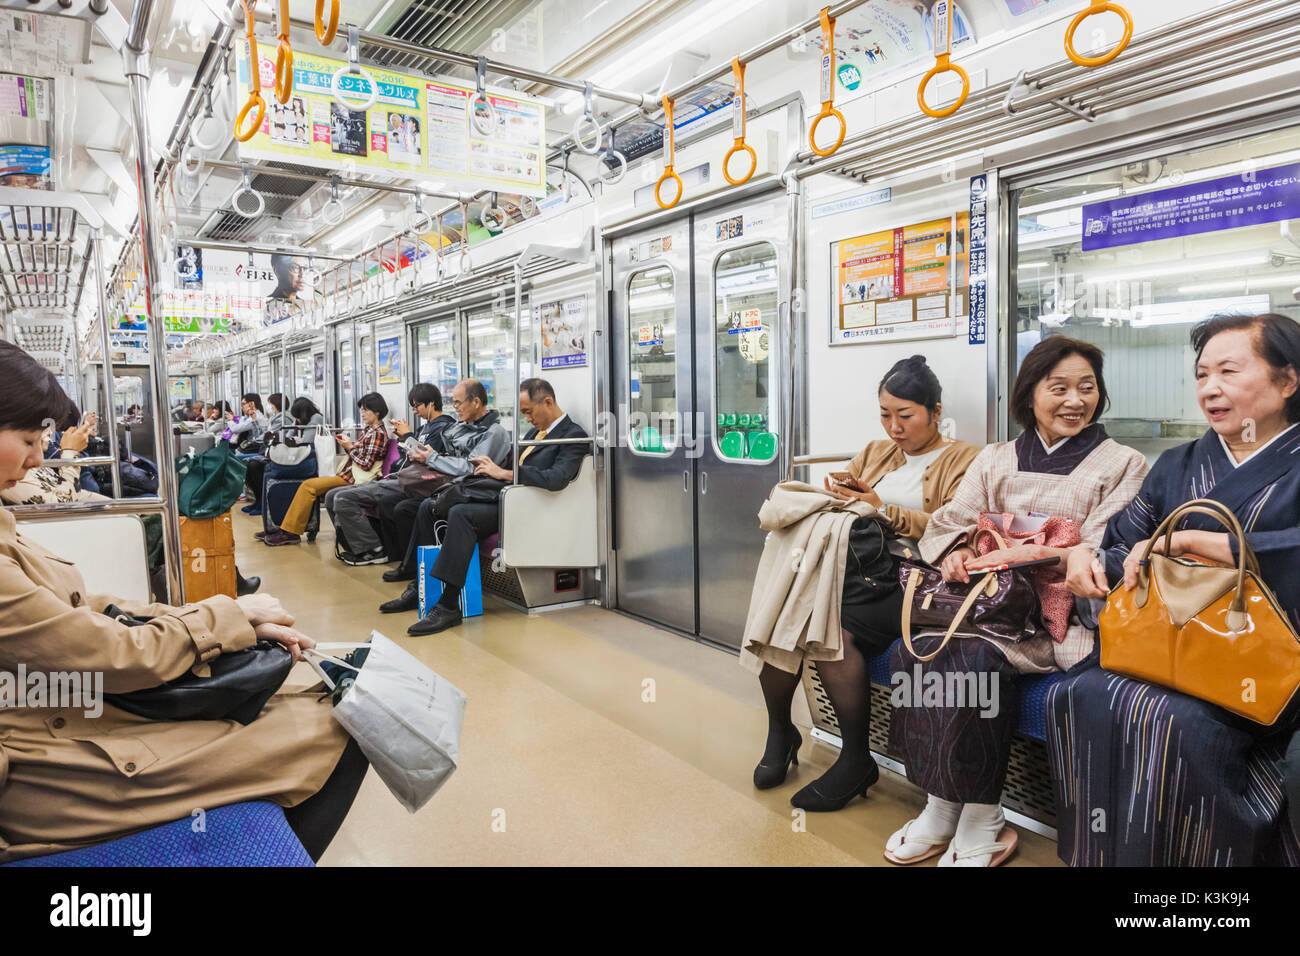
(903, 283)
(417, 126)
(248, 289)
(390, 361)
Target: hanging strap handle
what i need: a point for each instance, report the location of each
(827, 88)
(943, 63)
(245, 132)
(354, 68)
(738, 127)
(588, 119)
(1095, 7)
(283, 56)
(325, 30)
(670, 149)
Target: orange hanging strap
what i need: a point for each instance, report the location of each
(283, 57)
(669, 151)
(942, 62)
(738, 127)
(827, 87)
(1098, 6)
(325, 31)
(245, 132)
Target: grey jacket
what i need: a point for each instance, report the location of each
(466, 440)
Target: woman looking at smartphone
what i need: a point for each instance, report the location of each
(905, 477)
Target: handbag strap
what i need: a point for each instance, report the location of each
(1220, 512)
(913, 580)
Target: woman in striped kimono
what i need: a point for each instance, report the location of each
(1063, 465)
(1146, 776)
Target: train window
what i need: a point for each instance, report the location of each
(367, 366)
(745, 306)
(347, 388)
(491, 338)
(437, 356)
(1130, 257)
(303, 377)
(652, 361)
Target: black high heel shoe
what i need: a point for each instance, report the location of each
(767, 776)
(812, 799)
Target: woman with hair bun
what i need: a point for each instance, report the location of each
(904, 477)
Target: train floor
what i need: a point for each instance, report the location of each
(563, 761)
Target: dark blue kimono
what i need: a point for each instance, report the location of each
(1146, 776)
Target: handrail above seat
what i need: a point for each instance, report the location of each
(823, 458)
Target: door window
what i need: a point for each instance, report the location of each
(745, 324)
(491, 337)
(652, 361)
(437, 355)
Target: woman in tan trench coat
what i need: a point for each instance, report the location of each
(68, 779)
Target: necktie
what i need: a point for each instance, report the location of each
(531, 448)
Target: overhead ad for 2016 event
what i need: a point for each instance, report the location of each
(417, 125)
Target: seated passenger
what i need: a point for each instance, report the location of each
(1063, 465)
(905, 478)
(1179, 781)
(69, 781)
(478, 434)
(218, 418)
(346, 505)
(364, 458)
(277, 419)
(307, 425)
(246, 432)
(542, 466)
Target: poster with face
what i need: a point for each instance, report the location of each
(226, 290)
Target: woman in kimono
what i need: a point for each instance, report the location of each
(904, 477)
(1212, 794)
(1063, 465)
(70, 777)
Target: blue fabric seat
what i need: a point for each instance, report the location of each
(243, 834)
(1032, 720)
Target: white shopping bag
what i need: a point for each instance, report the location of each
(324, 455)
(405, 718)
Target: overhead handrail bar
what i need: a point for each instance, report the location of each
(317, 177)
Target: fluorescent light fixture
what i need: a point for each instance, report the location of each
(663, 43)
(355, 228)
(1157, 270)
(1194, 310)
(1033, 265)
(1230, 284)
(1100, 196)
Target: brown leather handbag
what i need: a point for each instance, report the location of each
(1212, 632)
(1001, 605)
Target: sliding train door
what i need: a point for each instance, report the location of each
(697, 378)
(654, 501)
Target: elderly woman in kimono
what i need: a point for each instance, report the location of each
(1146, 776)
(69, 776)
(1064, 466)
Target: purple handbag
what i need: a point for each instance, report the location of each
(1001, 604)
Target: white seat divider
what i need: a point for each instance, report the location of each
(551, 529)
(108, 550)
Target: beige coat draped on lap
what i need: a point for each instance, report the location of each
(68, 780)
(794, 610)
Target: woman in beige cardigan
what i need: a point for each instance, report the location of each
(71, 776)
(904, 477)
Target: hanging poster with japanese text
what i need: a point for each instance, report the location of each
(564, 332)
(416, 127)
(390, 361)
(902, 283)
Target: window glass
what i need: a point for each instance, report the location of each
(652, 361)
(303, 376)
(347, 389)
(437, 355)
(745, 307)
(1130, 258)
(491, 337)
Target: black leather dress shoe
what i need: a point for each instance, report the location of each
(397, 574)
(245, 585)
(408, 601)
(439, 619)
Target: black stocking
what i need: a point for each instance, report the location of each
(847, 684)
(778, 693)
(318, 818)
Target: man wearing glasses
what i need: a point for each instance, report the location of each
(355, 535)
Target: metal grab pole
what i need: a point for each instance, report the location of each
(105, 348)
(136, 56)
(514, 455)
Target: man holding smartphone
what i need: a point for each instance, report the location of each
(346, 505)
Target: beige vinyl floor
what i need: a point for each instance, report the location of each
(590, 738)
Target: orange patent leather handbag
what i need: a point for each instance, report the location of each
(1213, 632)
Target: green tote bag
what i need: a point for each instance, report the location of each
(209, 484)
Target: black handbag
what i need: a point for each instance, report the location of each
(241, 684)
(472, 489)
(870, 573)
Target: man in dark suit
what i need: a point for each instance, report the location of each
(542, 466)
